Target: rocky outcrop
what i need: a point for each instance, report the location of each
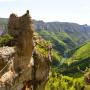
(21, 29)
(32, 57)
(42, 62)
(87, 78)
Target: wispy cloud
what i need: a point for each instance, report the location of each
(6, 0)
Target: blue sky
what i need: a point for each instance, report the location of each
(77, 11)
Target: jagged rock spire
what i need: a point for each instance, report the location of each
(21, 29)
(27, 11)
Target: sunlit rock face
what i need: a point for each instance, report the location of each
(21, 29)
(34, 76)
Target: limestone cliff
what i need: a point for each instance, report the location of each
(21, 29)
(32, 57)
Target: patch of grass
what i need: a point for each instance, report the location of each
(5, 39)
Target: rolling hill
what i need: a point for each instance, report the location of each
(77, 32)
(79, 60)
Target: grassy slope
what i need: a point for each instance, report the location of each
(61, 41)
(71, 78)
(82, 53)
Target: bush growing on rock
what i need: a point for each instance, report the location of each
(5, 39)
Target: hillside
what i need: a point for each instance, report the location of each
(79, 60)
(63, 35)
(74, 73)
(61, 41)
(82, 53)
(24, 66)
(77, 32)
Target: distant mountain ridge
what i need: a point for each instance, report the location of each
(79, 31)
(64, 35)
(41, 24)
(57, 26)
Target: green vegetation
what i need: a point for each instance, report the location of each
(78, 61)
(69, 44)
(61, 41)
(60, 82)
(5, 39)
(42, 48)
(70, 75)
(57, 57)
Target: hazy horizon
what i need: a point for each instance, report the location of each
(74, 11)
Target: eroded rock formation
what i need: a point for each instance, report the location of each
(21, 29)
(32, 55)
